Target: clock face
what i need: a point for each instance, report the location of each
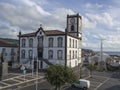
(72, 20)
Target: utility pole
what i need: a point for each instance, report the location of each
(101, 55)
(101, 51)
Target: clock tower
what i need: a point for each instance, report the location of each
(74, 25)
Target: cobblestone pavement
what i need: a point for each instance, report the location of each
(16, 81)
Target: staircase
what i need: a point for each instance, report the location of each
(47, 62)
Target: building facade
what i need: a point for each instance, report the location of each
(9, 52)
(53, 46)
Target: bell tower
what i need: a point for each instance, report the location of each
(74, 25)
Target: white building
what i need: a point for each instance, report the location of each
(97, 58)
(53, 46)
(9, 50)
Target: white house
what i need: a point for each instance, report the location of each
(9, 50)
(53, 46)
(97, 58)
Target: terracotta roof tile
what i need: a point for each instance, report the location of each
(48, 33)
(54, 32)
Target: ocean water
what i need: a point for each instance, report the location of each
(113, 53)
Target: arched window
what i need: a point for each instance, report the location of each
(50, 54)
(30, 42)
(59, 54)
(50, 42)
(72, 28)
(60, 41)
(23, 42)
(23, 54)
(30, 53)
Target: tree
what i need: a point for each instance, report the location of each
(58, 75)
(91, 67)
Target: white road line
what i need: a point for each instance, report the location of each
(16, 80)
(21, 82)
(30, 84)
(101, 84)
(14, 77)
(0, 87)
(19, 79)
(5, 83)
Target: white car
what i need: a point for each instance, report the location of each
(82, 83)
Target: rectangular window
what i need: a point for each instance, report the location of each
(59, 54)
(50, 42)
(76, 43)
(23, 54)
(23, 42)
(60, 41)
(70, 43)
(73, 55)
(31, 42)
(70, 54)
(50, 54)
(30, 53)
(73, 43)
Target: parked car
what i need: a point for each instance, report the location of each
(82, 83)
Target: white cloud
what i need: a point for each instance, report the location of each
(103, 18)
(87, 24)
(92, 6)
(88, 5)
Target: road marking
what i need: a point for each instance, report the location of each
(21, 82)
(5, 83)
(31, 84)
(101, 84)
(16, 80)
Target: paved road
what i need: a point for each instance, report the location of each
(18, 81)
(103, 81)
(99, 81)
(95, 82)
(111, 84)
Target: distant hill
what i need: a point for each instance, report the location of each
(10, 41)
(87, 50)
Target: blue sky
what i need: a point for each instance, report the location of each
(101, 19)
